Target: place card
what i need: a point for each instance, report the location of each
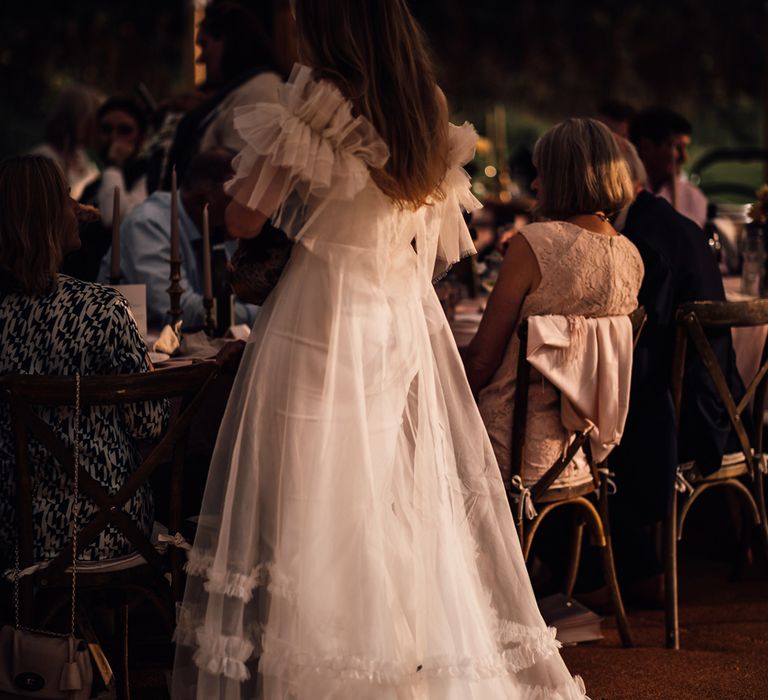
(136, 296)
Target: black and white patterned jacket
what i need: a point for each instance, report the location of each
(86, 328)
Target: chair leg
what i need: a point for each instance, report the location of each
(759, 486)
(574, 555)
(609, 572)
(53, 610)
(121, 633)
(743, 533)
(164, 607)
(672, 631)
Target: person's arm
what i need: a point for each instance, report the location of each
(518, 277)
(245, 313)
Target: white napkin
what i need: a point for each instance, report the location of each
(169, 340)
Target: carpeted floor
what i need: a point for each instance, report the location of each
(723, 644)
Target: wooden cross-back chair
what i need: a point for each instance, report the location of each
(146, 571)
(546, 497)
(742, 473)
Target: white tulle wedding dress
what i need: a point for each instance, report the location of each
(355, 540)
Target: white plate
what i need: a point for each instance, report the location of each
(155, 357)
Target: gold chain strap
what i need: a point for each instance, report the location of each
(16, 577)
(76, 500)
(75, 517)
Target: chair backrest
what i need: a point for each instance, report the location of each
(694, 319)
(517, 458)
(25, 392)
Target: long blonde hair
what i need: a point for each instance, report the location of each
(376, 54)
(33, 202)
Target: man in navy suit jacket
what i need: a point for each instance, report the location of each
(679, 267)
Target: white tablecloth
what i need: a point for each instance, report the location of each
(747, 342)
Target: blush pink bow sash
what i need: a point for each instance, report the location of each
(589, 360)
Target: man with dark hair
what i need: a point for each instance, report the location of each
(145, 241)
(679, 267)
(662, 137)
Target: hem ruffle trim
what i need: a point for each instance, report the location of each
(534, 646)
(520, 646)
(229, 655)
(235, 584)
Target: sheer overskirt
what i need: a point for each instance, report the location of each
(355, 539)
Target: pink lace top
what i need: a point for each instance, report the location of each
(583, 273)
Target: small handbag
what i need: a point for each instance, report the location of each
(47, 665)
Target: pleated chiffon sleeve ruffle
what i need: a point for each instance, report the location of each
(308, 142)
(453, 239)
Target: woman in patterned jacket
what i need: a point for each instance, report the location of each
(54, 324)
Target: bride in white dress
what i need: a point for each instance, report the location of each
(355, 540)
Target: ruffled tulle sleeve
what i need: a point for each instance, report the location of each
(453, 240)
(307, 145)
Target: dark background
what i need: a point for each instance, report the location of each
(541, 60)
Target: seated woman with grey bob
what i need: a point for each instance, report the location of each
(572, 263)
(51, 324)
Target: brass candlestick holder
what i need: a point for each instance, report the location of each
(114, 267)
(209, 304)
(175, 291)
